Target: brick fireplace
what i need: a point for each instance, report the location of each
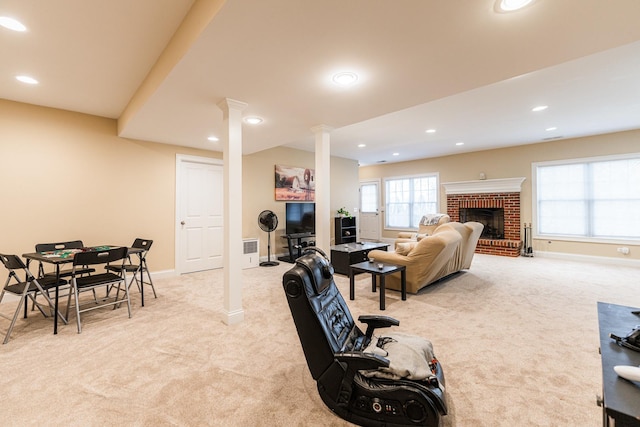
(490, 194)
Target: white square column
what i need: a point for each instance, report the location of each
(232, 156)
(323, 186)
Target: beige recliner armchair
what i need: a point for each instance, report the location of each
(427, 226)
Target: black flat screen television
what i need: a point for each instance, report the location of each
(300, 218)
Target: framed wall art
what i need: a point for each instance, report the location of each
(294, 183)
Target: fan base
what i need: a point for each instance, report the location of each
(269, 263)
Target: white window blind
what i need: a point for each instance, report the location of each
(408, 199)
(594, 199)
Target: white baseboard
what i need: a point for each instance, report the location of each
(233, 317)
(588, 258)
(163, 274)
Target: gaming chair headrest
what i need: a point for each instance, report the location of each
(319, 268)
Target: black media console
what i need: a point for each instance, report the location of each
(295, 244)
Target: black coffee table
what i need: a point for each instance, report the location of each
(378, 270)
(346, 254)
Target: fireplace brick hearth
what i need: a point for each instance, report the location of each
(480, 195)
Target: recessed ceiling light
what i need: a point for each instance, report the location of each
(459, 143)
(362, 145)
(346, 78)
(12, 24)
(511, 5)
(396, 154)
(430, 131)
(253, 120)
(213, 139)
(27, 79)
(551, 128)
(539, 108)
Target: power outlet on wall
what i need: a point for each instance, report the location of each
(624, 250)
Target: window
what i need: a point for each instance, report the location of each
(409, 199)
(594, 199)
(369, 198)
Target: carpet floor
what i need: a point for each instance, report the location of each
(517, 337)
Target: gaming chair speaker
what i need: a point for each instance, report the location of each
(340, 362)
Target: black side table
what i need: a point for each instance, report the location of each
(374, 269)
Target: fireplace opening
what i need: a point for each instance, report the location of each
(491, 218)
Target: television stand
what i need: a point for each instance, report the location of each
(295, 244)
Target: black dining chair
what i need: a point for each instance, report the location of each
(140, 248)
(81, 282)
(60, 246)
(26, 289)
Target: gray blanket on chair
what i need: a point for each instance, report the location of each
(431, 219)
(409, 356)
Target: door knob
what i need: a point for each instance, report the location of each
(182, 222)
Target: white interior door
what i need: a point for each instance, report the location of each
(199, 232)
(370, 210)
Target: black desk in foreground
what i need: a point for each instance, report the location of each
(620, 397)
(377, 270)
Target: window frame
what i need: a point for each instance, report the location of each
(572, 238)
(435, 175)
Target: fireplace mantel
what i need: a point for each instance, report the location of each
(502, 185)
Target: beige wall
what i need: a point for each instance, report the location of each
(258, 190)
(516, 162)
(67, 176)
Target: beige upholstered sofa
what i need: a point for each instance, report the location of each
(447, 250)
(427, 226)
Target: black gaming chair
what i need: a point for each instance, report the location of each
(334, 348)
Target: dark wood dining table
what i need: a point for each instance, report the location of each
(65, 256)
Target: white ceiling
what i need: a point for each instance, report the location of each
(453, 65)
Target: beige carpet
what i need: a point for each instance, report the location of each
(518, 340)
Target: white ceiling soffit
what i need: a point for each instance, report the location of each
(593, 95)
(448, 65)
(90, 56)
